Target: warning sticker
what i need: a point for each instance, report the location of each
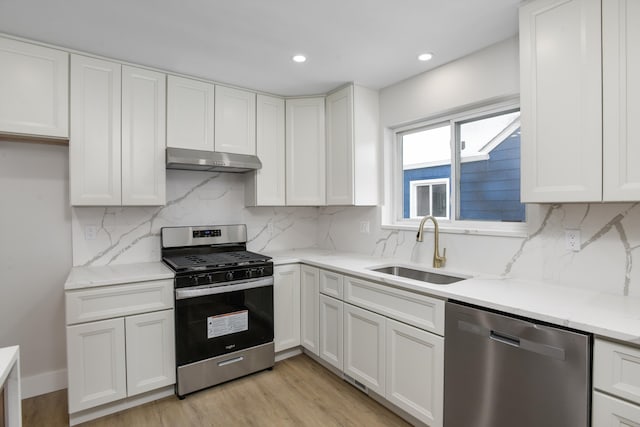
(228, 323)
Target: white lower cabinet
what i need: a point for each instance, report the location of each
(331, 335)
(96, 363)
(616, 376)
(415, 371)
(609, 412)
(150, 356)
(309, 316)
(364, 347)
(386, 339)
(120, 344)
(286, 306)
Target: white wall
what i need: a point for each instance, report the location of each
(490, 73)
(610, 232)
(35, 258)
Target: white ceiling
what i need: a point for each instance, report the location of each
(249, 43)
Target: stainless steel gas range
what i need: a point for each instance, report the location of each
(223, 305)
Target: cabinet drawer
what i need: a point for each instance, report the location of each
(418, 310)
(616, 369)
(331, 284)
(119, 300)
(609, 411)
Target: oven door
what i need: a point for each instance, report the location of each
(211, 321)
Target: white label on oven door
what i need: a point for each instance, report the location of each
(228, 323)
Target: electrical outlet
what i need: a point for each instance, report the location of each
(90, 232)
(364, 227)
(572, 240)
(270, 228)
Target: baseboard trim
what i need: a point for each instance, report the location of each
(120, 405)
(285, 354)
(47, 382)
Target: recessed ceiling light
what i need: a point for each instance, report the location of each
(299, 58)
(425, 56)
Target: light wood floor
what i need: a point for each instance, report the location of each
(297, 392)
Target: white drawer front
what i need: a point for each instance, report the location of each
(609, 411)
(418, 310)
(119, 300)
(616, 369)
(331, 284)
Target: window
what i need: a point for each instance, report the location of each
(429, 197)
(464, 170)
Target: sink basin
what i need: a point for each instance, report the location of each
(424, 276)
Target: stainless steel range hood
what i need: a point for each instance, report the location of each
(196, 160)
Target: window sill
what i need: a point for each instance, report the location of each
(471, 228)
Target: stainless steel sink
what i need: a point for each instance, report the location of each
(424, 276)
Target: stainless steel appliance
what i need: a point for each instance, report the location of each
(223, 305)
(502, 371)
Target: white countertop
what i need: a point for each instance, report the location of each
(8, 359)
(88, 277)
(607, 315)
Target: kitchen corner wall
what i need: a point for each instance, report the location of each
(132, 234)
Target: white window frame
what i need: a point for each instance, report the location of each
(392, 212)
(413, 185)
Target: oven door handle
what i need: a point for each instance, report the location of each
(186, 293)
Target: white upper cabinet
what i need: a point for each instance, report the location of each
(117, 139)
(235, 121)
(621, 99)
(352, 146)
(305, 148)
(561, 101)
(143, 137)
(94, 146)
(190, 113)
(34, 90)
(266, 186)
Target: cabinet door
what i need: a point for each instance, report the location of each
(151, 359)
(235, 119)
(621, 99)
(364, 347)
(39, 104)
(94, 145)
(143, 137)
(309, 317)
(415, 372)
(339, 113)
(331, 283)
(609, 411)
(561, 101)
(96, 364)
(331, 338)
(190, 107)
(266, 186)
(305, 147)
(616, 369)
(286, 306)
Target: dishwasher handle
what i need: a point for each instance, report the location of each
(512, 340)
(504, 338)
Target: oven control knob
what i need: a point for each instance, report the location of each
(229, 275)
(261, 271)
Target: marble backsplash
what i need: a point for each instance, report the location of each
(132, 234)
(610, 234)
(610, 237)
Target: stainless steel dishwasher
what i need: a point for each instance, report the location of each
(502, 371)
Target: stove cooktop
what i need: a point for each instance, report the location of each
(206, 261)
